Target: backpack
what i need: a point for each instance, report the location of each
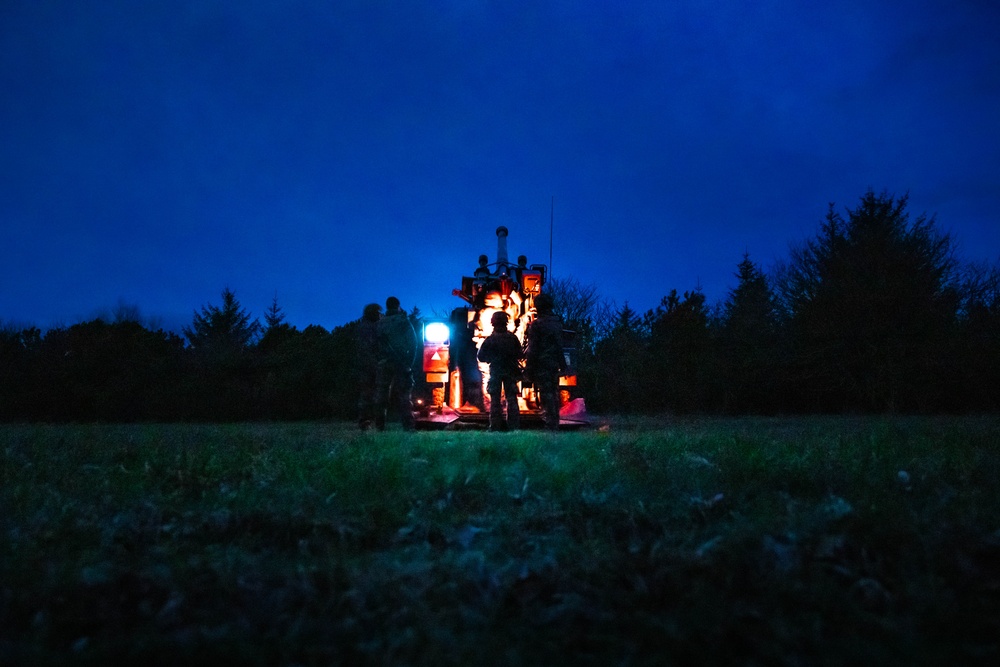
(397, 342)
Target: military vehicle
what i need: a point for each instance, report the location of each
(455, 378)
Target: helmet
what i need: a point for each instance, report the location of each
(499, 320)
(544, 303)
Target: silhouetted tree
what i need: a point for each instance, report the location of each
(126, 312)
(95, 371)
(309, 374)
(342, 359)
(617, 379)
(275, 316)
(276, 329)
(590, 318)
(871, 301)
(680, 354)
(19, 370)
(576, 303)
(277, 352)
(223, 384)
(222, 329)
(976, 354)
(748, 331)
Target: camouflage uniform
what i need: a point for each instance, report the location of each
(397, 345)
(544, 359)
(368, 364)
(502, 351)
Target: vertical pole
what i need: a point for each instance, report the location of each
(552, 215)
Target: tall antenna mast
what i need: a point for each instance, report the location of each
(552, 216)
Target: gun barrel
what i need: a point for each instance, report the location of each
(501, 248)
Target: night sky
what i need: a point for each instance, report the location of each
(334, 153)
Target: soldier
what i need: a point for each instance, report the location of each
(544, 360)
(482, 271)
(463, 357)
(368, 357)
(502, 351)
(397, 345)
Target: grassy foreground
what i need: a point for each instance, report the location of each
(760, 542)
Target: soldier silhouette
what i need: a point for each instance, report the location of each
(397, 345)
(502, 351)
(544, 359)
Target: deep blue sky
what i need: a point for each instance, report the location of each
(334, 153)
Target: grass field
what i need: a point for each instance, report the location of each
(823, 541)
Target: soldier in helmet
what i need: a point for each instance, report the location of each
(367, 359)
(397, 344)
(544, 360)
(502, 351)
(483, 270)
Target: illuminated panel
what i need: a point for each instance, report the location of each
(435, 361)
(531, 282)
(436, 335)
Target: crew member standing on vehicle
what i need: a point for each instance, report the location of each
(397, 344)
(544, 360)
(502, 351)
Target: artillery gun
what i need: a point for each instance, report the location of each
(457, 380)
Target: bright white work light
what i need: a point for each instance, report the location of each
(436, 332)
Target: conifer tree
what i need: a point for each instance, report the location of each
(748, 342)
(275, 316)
(224, 386)
(871, 301)
(618, 375)
(226, 328)
(680, 353)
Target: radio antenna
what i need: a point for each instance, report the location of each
(552, 215)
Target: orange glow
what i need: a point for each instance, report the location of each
(494, 300)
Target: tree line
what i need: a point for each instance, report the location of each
(227, 366)
(872, 314)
